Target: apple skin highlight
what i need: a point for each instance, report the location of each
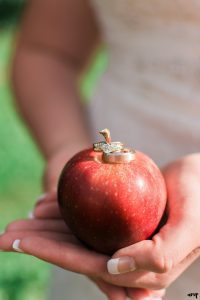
(111, 206)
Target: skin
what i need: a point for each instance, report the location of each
(49, 59)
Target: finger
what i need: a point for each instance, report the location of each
(47, 197)
(182, 180)
(141, 294)
(75, 258)
(7, 239)
(151, 280)
(38, 225)
(170, 277)
(47, 211)
(111, 291)
(161, 254)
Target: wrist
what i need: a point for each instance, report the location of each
(58, 159)
(70, 144)
(68, 148)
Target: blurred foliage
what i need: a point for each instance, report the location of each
(10, 11)
(21, 277)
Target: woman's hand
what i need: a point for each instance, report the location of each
(48, 208)
(48, 238)
(56, 163)
(158, 262)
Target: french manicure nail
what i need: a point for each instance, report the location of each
(121, 265)
(41, 197)
(16, 246)
(31, 215)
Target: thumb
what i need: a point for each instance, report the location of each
(166, 249)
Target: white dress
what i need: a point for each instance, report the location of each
(149, 96)
(150, 93)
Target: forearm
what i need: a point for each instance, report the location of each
(47, 97)
(185, 173)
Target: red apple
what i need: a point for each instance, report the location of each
(109, 206)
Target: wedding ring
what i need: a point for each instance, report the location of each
(108, 148)
(120, 157)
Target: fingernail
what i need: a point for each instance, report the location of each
(16, 246)
(121, 265)
(31, 215)
(41, 197)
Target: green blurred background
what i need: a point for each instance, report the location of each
(21, 277)
(21, 165)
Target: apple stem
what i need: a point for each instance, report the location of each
(106, 134)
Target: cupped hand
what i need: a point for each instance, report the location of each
(48, 238)
(49, 208)
(156, 263)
